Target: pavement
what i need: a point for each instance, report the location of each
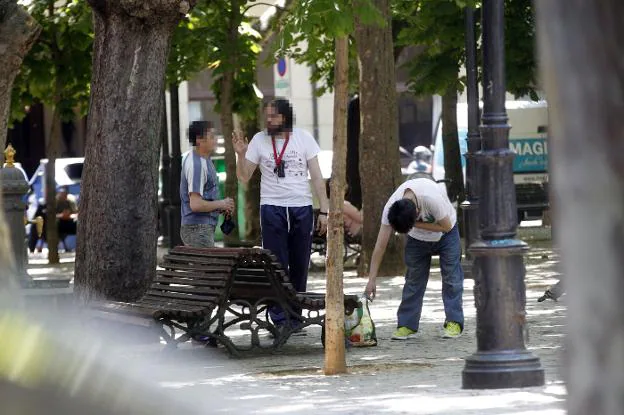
(417, 376)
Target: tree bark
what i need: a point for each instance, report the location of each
(582, 56)
(226, 103)
(52, 151)
(18, 32)
(116, 255)
(452, 153)
(379, 137)
(252, 194)
(334, 297)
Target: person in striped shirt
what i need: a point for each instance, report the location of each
(199, 189)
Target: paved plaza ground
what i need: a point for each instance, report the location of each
(418, 376)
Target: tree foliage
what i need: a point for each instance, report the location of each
(308, 31)
(438, 25)
(57, 71)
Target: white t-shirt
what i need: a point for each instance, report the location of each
(433, 205)
(294, 189)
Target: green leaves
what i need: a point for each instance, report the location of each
(308, 30)
(437, 28)
(57, 71)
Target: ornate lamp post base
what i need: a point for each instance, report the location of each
(501, 360)
(505, 369)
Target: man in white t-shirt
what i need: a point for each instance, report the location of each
(285, 156)
(422, 209)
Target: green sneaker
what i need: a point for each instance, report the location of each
(403, 333)
(451, 330)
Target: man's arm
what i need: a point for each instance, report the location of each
(443, 225)
(385, 231)
(318, 184)
(244, 168)
(198, 204)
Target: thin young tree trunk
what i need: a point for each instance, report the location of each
(379, 137)
(334, 297)
(582, 53)
(116, 255)
(452, 154)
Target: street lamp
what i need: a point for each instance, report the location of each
(174, 208)
(471, 204)
(164, 176)
(501, 360)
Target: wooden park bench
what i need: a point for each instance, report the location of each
(223, 296)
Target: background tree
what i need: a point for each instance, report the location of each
(18, 32)
(57, 73)
(301, 25)
(379, 134)
(438, 27)
(581, 45)
(233, 59)
(116, 255)
(217, 36)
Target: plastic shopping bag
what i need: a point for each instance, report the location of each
(359, 326)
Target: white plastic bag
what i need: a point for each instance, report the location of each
(359, 326)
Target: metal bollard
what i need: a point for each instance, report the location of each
(14, 186)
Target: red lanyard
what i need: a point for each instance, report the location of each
(278, 158)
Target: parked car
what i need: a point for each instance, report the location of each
(68, 173)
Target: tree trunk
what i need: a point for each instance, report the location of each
(582, 56)
(226, 103)
(18, 32)
(379, 139)
(252, 194)
(116, 255)
(452, 154)
(334, 297)
(52, 152)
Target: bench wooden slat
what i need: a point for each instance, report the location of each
(194, 275)
(193, 299)
(194, 291)
(190, 282)
(173, 259)
(176, 306)
(117, 306)
(197, 267)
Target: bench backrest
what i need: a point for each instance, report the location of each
(255, 274)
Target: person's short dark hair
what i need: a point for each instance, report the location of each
(198, 129)
(283, 107)
(402, 215)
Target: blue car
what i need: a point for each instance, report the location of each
(68, 173)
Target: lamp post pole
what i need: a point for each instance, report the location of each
(501, 359)
(470, 206)
(174, 207)
(164, 175)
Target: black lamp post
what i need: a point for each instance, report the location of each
(164, 177)
(501, 360)
(471, 204)
(173, 210)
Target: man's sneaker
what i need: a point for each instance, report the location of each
(404, 333)
(451, 330)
